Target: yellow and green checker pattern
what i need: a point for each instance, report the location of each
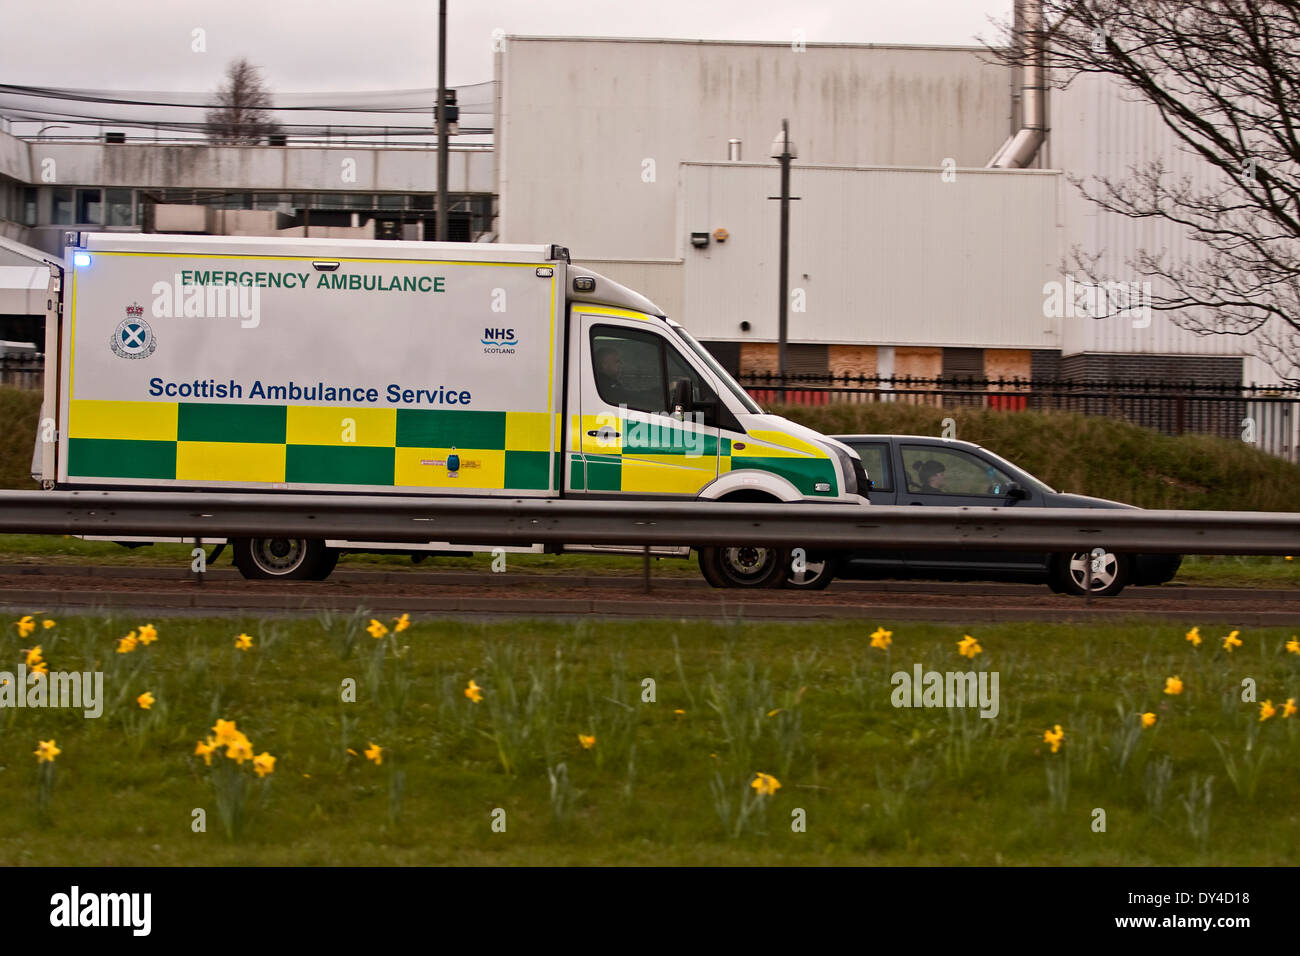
(310, 445)
(665, 460)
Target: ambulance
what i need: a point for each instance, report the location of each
(369, 367)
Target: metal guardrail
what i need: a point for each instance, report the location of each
(504, 521)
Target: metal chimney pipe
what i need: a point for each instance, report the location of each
(733, 150)
(1020, 149)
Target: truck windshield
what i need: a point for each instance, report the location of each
(721, 373)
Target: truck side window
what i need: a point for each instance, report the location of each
(628, 366)
(637, 369)
(703, 399)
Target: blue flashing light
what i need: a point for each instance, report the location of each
(81, 259)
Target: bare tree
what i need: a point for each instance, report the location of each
(241, 116)
(1224, 77)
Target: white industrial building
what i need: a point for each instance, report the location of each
(650, 160)
(908, 255)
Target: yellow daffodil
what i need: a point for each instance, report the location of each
(765, 784)
(1289, 707)
(679, 712)
(204, 749)
(46, 751)
(376, 629)
(40, 667)
(968, 647)
(1173, 685)
(401, 623)
(243, 642)
(125, 645)
(33, 656)
(239, 750)
(25, 625)
(474, 692)
(145, 700)
(1148, 719)
(225, 731)
(1293, 646)
(881, 638)
(1231, 641)
(148, 634)
(264, 763)
(1054, 737)
(1194, 635)
(773, 713)
(587, 741)
(375, 752)
(1266, 710)
(47, 624)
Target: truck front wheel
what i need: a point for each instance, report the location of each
(284, 559)
(747, 566)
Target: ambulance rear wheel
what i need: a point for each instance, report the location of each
(815, 572)
(284, 559)
(747, 566)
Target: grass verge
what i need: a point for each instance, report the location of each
(663, 782)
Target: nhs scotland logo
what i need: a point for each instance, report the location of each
(499, 341)
(133, 338)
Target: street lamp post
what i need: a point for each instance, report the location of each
(440, 217)
(783, 151)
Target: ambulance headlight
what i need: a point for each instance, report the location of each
(81, 259)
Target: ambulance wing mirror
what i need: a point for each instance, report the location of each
(680, 396)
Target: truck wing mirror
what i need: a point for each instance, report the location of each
(680, 400)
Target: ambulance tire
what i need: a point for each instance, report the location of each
(747, 566)
(819, 571)
(284, 559)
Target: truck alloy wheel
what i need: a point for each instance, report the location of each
(746, 566)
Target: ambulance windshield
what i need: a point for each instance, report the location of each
(721, 373)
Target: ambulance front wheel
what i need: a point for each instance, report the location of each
(284, 559)
(747, 566)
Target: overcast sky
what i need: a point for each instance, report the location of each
(305, 45)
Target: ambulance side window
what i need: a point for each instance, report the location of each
(637, 369)
(628, 367)
(703, 399)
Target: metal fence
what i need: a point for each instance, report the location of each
(1268, 416)
(23, 371)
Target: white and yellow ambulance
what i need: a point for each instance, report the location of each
(414, 368)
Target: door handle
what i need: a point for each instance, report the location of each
(610, 434)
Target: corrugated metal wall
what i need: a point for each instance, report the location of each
(886, 256)
(591, 132)
(1099, 130)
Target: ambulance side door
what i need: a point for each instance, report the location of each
(633, 442)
